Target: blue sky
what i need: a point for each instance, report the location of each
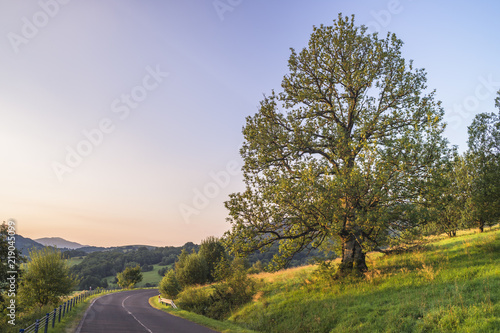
(152, 97)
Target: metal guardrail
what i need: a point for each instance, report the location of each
(167, 301)
(49, 320)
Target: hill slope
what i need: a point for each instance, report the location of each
(25, 244)
(452, 285)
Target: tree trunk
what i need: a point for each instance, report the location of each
(481, 225)
(353, 257)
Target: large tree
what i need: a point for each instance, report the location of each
(342, 153)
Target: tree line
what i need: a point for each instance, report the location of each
(96, 266)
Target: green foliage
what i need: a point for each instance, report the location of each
(223, 270)
(162, 271)
(169, 285)
(129, 277)
(483, 159)
(257, 267)
(102, 264)
(230, 294)
(218, 326)
(46, 278)
(342, 154)
(213, 251)
(147, 268)
(219, 300)
(191, 269)
(195, 299)
(447, 196)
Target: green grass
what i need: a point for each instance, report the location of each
(74, 261)
(151, 277)
(220, 326)
(451, 285)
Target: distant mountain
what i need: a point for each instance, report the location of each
(59, 243)
(25, 245)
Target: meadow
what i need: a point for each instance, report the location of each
(445, 285)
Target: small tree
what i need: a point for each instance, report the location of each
(46, 278)
(129, 277)
(169, 285)
(447, 196)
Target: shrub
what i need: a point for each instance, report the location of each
(169, 285)
(162, 271)
(191, 269)
(212, 250)
(227, 296)
(147, 268)
(195, 299)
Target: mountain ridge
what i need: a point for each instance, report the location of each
(59, 242)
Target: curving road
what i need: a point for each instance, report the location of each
(130, 312)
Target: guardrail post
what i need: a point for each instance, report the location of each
(69, 305)
(37, 323)
(21, 330)
(64, 308)
(54, 318)
(60, 310)
(46, 322)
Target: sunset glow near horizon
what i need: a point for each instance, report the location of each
(120, 121)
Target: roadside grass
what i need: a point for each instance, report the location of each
(452, 285)
(219, 326)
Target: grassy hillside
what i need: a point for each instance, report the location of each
(450, 285)
(151, 277)
(74, 261)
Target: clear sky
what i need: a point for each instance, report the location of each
(120, 121)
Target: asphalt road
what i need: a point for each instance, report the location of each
(130, 312)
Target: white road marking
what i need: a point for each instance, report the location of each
(130, 313)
